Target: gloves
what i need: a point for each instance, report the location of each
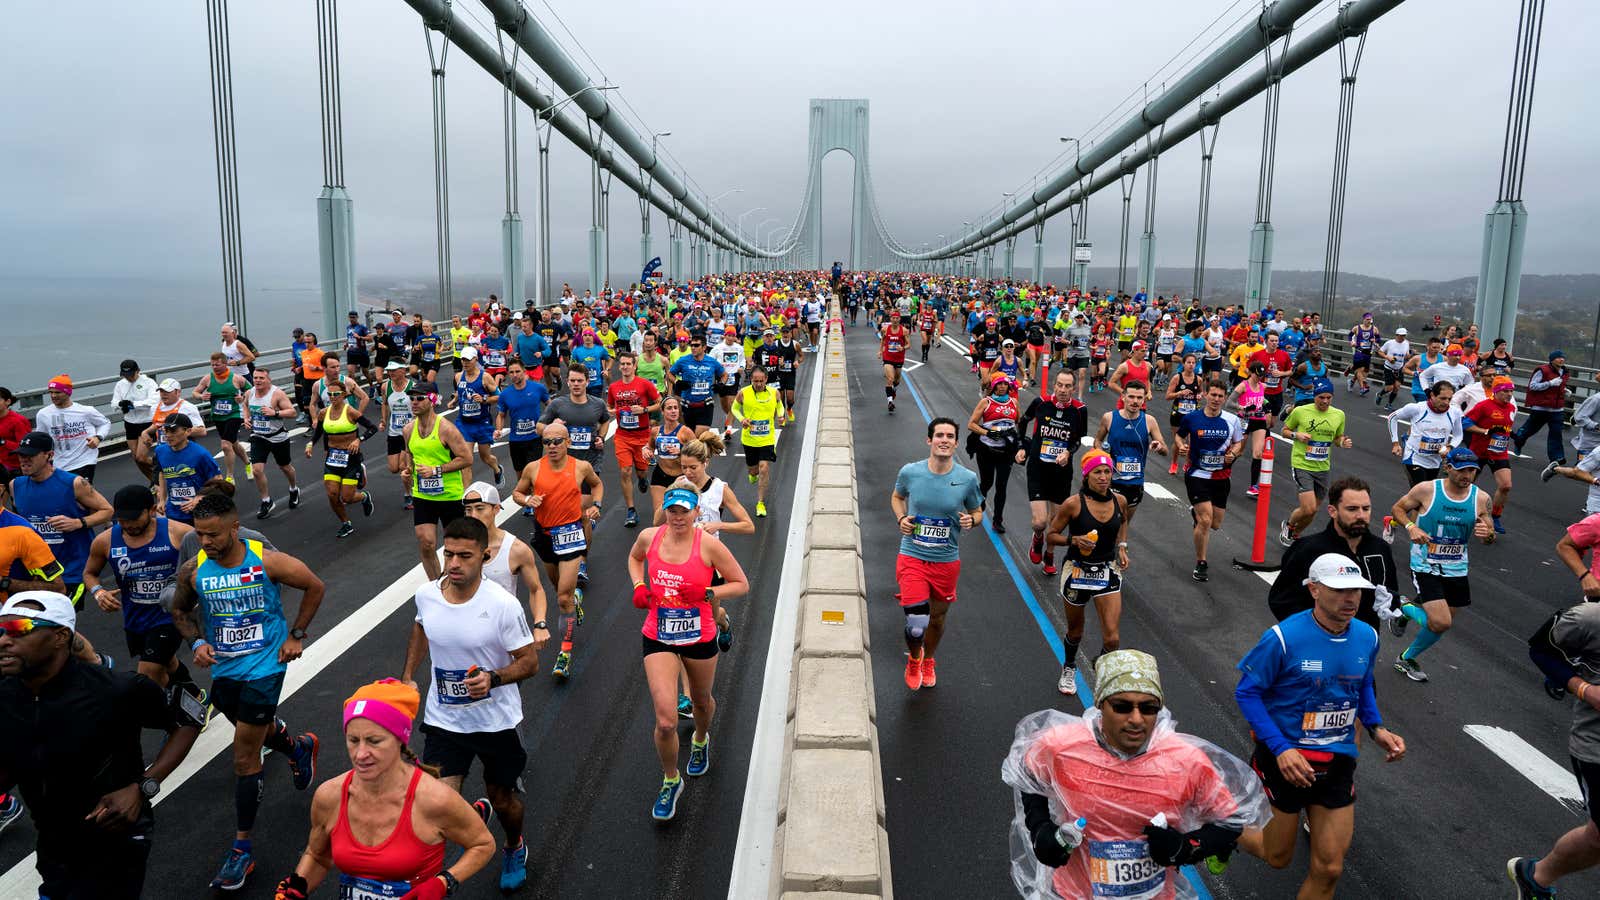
(641, 596)
(126, 406)
(1173, 848)
(292, 887)
(432, 889)
(1046, 849)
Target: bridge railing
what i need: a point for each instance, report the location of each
(1336, 348)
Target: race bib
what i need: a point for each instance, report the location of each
(677, 624)
(1499, 442)
(1272, 381)
(1124, 869)
(894, 346)
(233, 635)
(431, 484)
(1446, 550)
(932, 532)
(260, 424)
(627, 418)
(1185, 407)
(760, 428)
(399, 419)
(337, 458)
(1434, 446)
(221, 406)
(494, 359)
(568, 538)
(1317, 451)
(353, 888)
(1090, 577)
(52, 536)
(429, 356)
(1050, 449)
(471, 408)
(581, 437)
(668, 447)
(146, 590)
(1327, 726)
(730, 377)
(451, 686)
(701, 387)
(176, 492)
(1126, 469)
(1212, 461)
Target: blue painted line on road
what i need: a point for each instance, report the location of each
(1047, 628)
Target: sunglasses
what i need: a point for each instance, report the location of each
(1125, 707)
(20, 627)
(554, 442)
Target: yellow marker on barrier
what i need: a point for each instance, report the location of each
(833, 617)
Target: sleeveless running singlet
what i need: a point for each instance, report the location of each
(428, 451)
(679, 613)
(390, 868)
(142, 573)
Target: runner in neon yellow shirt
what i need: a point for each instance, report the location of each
(758, 409)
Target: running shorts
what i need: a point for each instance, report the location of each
(1307, 482)
(1274, 403)
(727, 390)
(1208, 490)
(261, 450)
(228, 429)
(546, 549)
(427, 511)
(524, 452)
(453, 752)
(156, 645)
(1088, 579)
(1589, 784)
(631, 450)
(1391, 376)
(252, 702)
(697, 650)
(1454, 591)
(1049, 482)
(1133, 493)
(659, 478)
(349, 473)
(786, 381)
(697, 417)
(394, 444)
(1418, 474)
(921, 581)
(1333, 787)
(481, 432)
(1359, 360)
(754, 455)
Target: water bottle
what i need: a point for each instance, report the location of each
(1388, 529)
(1070, 834)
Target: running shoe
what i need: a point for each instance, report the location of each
(1285, 536)
(563, 666)
(366, 503)
(1498, 528)
(1068, 682)
(583, 573)
(412, 503)
(1036, 548)
(1410, 668)
(482, 807)
(1549, 472)
(236, 868)
(1050, 561)
(685, 707)
(514, 867)
(699, 758)
(10, 810)
(632, 521)
(761, 510)
(1200, 572)
(499, 477)
(1520, 870)
(1173, 470)
(929, 677)
(1397, 625)
(303, 760)
(577, 605)
(346, 529)
(1218, 864)
(913, 672)
(229, 478)
(527, 513)
(891, 406)
(266, 507)
(644, 485)
(1252, 491)
(998, 525)
(107, 661)
(725, 637)
(667, 799)
(752, 476)
(1366, 390)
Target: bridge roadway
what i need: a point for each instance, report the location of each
(592, 771)
(1440, 823)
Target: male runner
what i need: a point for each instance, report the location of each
(1395, 352)
(476, 391)
(693, 379)
(243, 636)
(1439, 517)
(394, 405)
(1128, 434)
(1302, 688)
(183, 467)
(224, 389)
(473, 633)
(266, 409)
(1059, 423)
(1435, 427)
(142, 548)
(1209, 439)
(63, 508)
(730, 353)
(892, 350)
(1363, 341)
(75, 428)
(934, 500)
(433, 456)
(553, 487)
(357, 359)
(759, 412)
(632, 401)
(1489, 436)
(1314, 429)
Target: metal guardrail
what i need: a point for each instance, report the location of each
(1582, 384)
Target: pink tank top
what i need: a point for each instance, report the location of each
(1253, 400)
(679, 614)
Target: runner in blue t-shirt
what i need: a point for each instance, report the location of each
(1210, 440)
(934, 501)
(1304, 686)
(522, 401)
(694, 379)
(184, 467)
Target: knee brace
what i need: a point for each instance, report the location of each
(917, 620)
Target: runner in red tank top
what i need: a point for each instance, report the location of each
(1135, 368)
(893, 351)
(673, 571)
(384, 825)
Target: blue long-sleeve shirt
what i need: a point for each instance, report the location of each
(1304, 687)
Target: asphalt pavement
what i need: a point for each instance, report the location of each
(1486, 776)
(592, 774)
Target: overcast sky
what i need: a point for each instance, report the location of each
(108, 155)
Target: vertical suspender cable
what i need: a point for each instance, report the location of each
(1127, 180)
(1519, 114)
(226, 152)
(332, 102)
(441, 154)
(1208, 146)
(1348, 64)
(508, 116)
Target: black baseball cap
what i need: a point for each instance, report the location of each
(129, 366)
(131, 501)
(35, 442)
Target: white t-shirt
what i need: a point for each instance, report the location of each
(481, 632)
(1458, 375)
(732, 358)
(1397, 351)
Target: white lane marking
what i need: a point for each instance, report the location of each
(954, 344)
(1546, 774)
(1158, 492)
(22, 880)
(758, 816)
(912, 366)
(1268, 577)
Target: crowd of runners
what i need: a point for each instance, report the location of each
(1111, 803)
(655, 383)
(629, 385)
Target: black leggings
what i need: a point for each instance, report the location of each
(994, 468)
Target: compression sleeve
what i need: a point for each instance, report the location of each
(1248, 695)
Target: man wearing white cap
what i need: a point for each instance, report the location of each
(1303, 688)
(1395, 352)
(511, 560)
(70, 744)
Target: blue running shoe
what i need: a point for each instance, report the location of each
(577, 605)
(667, 800)
(685, 708)
(236, 869)
(583, 574)
(725, 637)
(632, 521)
(10, 811)
(1498, 528)
(563, 667)
(303, 761)
(1520, 870)
(699, 758)
(514, 868)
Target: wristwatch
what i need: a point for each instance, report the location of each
(150, 787)
(494, 678)
(541, 625)
(298, 634)
(711, 595)
(450, 883)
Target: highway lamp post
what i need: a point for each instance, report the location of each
(739, 230)
(719, 261)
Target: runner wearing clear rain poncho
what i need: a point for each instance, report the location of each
(1149, 798)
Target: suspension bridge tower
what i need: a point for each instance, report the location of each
(838, 125)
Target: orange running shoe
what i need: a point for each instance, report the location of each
(913, 672)
(929, 679)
